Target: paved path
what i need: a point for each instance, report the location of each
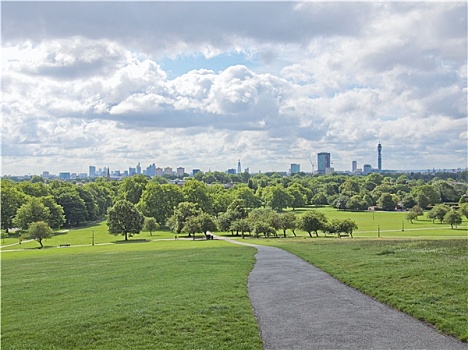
(299, 306)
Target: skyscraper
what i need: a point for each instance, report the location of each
(92, 171)
(379, 157)
(354, 166)
(295, 168)
(239, 170)
(323, 162)
(138, 169)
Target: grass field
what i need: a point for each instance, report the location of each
(157, 292)
(170, 295)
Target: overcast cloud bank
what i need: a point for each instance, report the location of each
(86, 84)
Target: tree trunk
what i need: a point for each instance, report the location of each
(310, 234)
(40, 242)
(125, 234)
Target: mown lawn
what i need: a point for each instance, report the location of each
(158, 295)
(425, 278)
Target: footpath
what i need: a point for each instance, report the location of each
(298, 306)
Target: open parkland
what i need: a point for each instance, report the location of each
(88, 289)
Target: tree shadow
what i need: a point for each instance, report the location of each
(132, 241)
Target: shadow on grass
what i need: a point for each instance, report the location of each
(132, 241)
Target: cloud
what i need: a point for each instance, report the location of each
(86, 82)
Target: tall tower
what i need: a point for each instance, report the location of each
(379, 156)
(323, 161)
(239, 170)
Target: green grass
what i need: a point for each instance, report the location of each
(158, 295)
(425, 278)
(84, 236)
(156, 292)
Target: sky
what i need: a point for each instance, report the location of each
(205, 84)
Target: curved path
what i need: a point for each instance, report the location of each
(299, 306)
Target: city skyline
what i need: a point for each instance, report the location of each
(270, 83)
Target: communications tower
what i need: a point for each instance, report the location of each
(379, 156)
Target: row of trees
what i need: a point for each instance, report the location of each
(66, 204)
(441, 212)
(124, 218)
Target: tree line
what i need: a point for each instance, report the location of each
(265, 196)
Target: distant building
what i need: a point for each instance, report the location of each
(180, 171)
(138, 169)
(151, 170)
(167, 171)
(92, 171)
(231, 171)
(295, 168)
(367, 169)
(324, 162)
(194, 171)
(354, 167)
(131, 171)
(64, 176)
(239, 169)
(159, 171)
(45, 174)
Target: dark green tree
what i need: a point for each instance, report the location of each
(182, 213)
(73, 206)
(56, 214)
(313, 221)
(124, 218)
(11, 201)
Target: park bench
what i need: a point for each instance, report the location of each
(65, 244)
(344, 235)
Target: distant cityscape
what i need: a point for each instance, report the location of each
(323, 161)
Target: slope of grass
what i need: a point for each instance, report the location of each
(158, 295)
(425, 278)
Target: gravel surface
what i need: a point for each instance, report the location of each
(299, 306)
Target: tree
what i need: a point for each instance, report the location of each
(297, 193)
(387, 202)
(241, 225)
(32, 211)
(288, 221)
(73, 206)
(277, 197)
(150, 225)
(438, 212)
(453, 218)
(132, 187)
(346, 226)
(39, 231)
(11, 201)
(124, 218)
(158, 201)
(313, 221)
(428, 191)
(56, 213)
(264, 220)
(411, 215)
(197, 192)
(181, 214)
(320, 199)
(464, 209)
(341, 202)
